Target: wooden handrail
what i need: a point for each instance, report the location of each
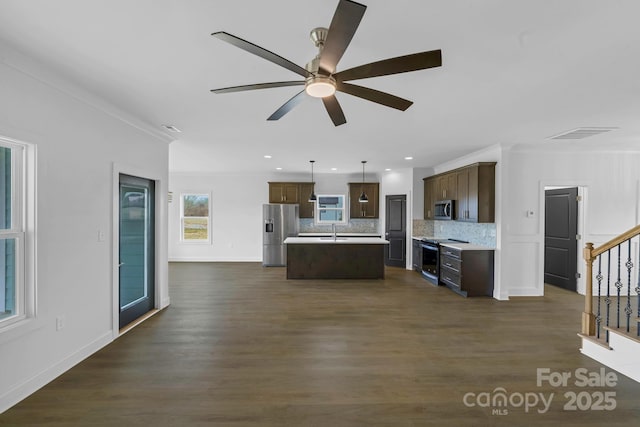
(616, 241)
(590, 253)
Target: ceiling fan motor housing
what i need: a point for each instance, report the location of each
(318, 36)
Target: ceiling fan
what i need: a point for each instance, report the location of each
(321, 79)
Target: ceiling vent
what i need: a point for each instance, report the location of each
(581, 133)
(171, 128)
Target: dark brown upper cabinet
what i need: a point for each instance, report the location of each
(429, 196)
(476, 198)
(284, 192)
(307, 208)
(292, 193)
(363, 210)
(446, 186)
(471, 187)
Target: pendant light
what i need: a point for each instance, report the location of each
(363, 197)
(312, 196)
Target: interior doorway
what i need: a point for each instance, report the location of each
(396, 230)
(561, 237)
(136, 248)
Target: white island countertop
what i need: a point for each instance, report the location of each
(338, 240)
(339, 234)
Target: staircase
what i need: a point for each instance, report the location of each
(611, 321)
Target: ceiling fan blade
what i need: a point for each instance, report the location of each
(261, 52)
(257, 86)
(399, 64)
(335, 111)
(375, 96)
(288, 106)
(344, 24)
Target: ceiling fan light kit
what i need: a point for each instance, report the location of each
(320, 86)
(320, 77)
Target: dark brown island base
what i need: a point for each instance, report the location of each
(329, 258)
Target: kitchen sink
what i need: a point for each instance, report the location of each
(331, 238)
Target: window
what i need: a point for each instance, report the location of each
(194, 217)
(16, 297)
(331, 209)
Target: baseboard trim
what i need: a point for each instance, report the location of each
(526, 292)
(214, 260)
(22, 391)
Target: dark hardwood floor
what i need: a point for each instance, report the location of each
(242, 346)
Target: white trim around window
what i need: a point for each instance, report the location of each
(331, 209)
(195, 218)
(17, 238)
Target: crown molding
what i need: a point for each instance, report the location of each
(43, 73)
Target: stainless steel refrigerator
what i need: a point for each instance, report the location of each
(278, 223)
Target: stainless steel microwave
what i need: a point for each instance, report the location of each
(444, 209)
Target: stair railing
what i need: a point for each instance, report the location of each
(619, 252)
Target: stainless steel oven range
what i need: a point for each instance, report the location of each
(431, 257)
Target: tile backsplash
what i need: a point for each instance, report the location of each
(479, 234)
(353, 226)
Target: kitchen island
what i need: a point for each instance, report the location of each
(335, 258)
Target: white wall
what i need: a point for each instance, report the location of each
(610, 206)
(236, 210)
(78, 143)
(418, 191)
(395, 183)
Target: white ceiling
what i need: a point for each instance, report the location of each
(514, 72)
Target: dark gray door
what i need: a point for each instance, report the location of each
(137, 255)
(396, 231)
(560, 243)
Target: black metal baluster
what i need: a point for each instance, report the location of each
(638, 299)
(599, 313)
(618, 286)
(629, 265)
(608, 299)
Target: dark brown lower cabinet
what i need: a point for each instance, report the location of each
(335, 261)
(416, 255)
(467, 272)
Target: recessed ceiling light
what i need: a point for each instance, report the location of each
(266, 156)
(387, 169)
(408, 158)
(334, 169)
(279, 169)
(171, 128)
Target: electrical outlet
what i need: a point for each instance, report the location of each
(101, 236)
(59, 323)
